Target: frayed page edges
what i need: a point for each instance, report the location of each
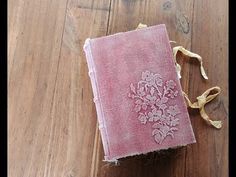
(117, 158)
(96, 99)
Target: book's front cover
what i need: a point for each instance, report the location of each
(137, 93)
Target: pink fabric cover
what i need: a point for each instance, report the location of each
(114, 63)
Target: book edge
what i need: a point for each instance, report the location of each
(131, 31)
(96, 99)
(116, 158)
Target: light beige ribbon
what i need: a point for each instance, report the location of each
(206, 97)
(203, 99)
(140, 25)
(190, 54)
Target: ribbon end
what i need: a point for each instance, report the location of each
(216, 124)
(173, 42)
(203, 73)
(140, 25)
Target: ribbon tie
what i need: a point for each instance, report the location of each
(203, 99)
(206, 97)
(190, 54)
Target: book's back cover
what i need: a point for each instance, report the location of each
(137, 93)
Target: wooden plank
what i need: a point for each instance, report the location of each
(35, 34)
(52, 119)
(73, 142)
(209, 157)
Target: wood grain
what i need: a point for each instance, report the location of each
(52, 125)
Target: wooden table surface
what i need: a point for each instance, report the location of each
(52, 125)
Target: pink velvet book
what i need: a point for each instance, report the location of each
(137, 93)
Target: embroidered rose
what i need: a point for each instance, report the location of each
(151, 99)
(140, 91)
(174, 121)
(158, 79)
(173, 110)
(173, 94)
(143, 118)
(137, 108)
(155, 115)
(149, 78)
(170, 84)
(141, 104)
(146, 76)
(151, 104)
(161, 103)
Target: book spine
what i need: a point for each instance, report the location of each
(96, 99)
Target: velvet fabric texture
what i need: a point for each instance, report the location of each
(137, 93)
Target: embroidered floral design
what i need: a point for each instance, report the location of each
(151, 95)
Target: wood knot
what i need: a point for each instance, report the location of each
(182, 23)
(167, 5)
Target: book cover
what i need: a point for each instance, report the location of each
(138, 97)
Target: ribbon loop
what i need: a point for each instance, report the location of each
(190, 54)
(203, 99)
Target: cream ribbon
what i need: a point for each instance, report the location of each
(190, 54)
(203, 99)
(206, 97)
(140, 25)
